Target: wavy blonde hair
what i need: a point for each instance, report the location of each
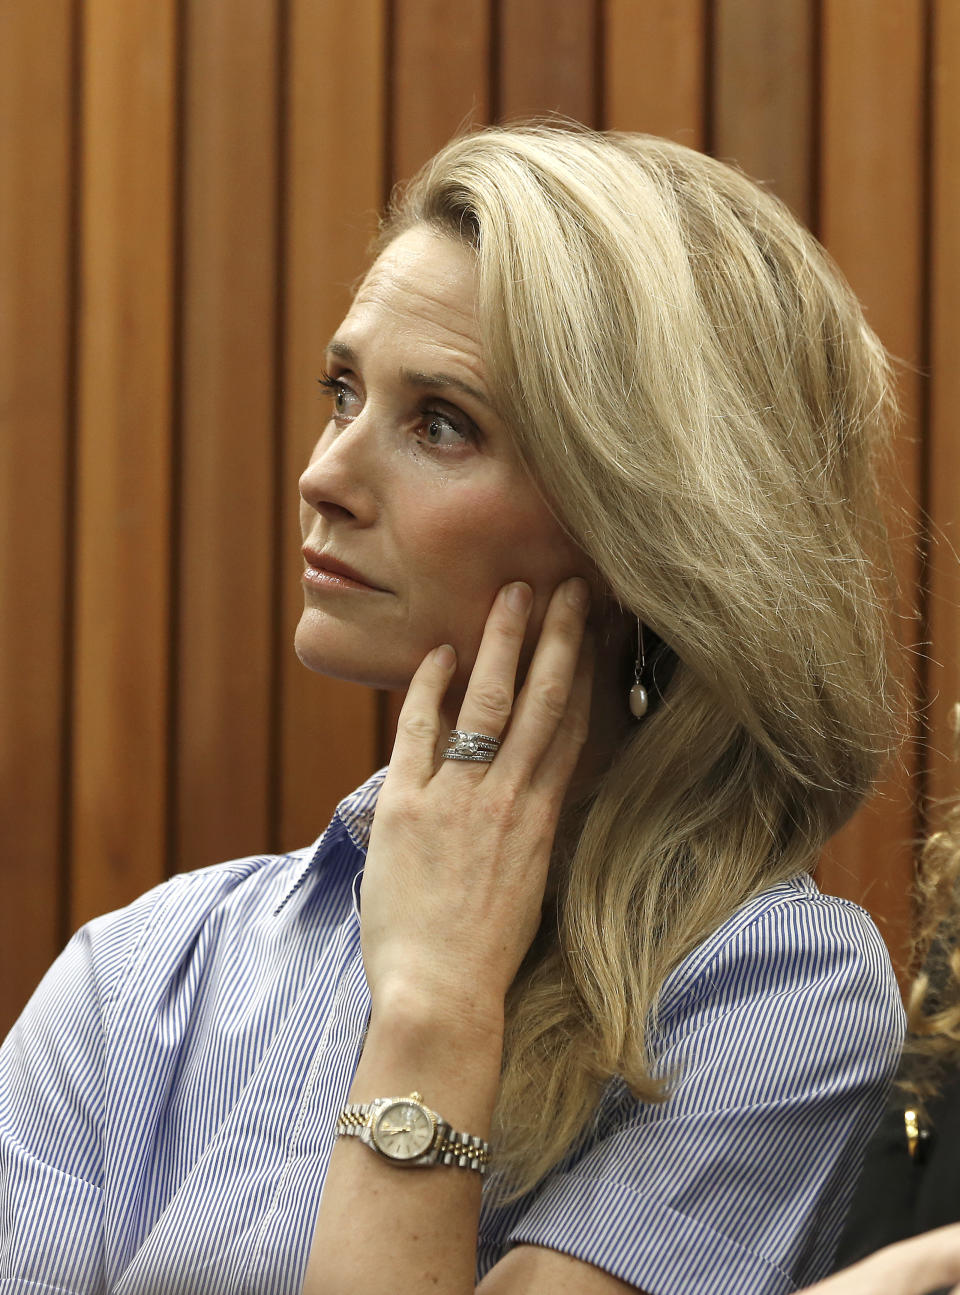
(932, 1049)
(695, 390)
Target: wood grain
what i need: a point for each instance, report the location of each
(943, 443)
(36, 92)
(227, 524)
(122, 559)
(654, 63)
(441, 77)
(548, 60)
(763, 103)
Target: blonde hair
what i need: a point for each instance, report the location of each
(932, 1049)
(694, 388)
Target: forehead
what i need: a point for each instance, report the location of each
(424, 263)
(420, 292)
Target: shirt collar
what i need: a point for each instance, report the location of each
(353, 816)
(356, 811)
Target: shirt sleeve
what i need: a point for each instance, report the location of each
(51, 1111)
(782, 1045)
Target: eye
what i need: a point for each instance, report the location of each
(441, 432)
(341, 392)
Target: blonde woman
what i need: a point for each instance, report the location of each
(553, 1004)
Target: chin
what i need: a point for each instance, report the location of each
(332, 652)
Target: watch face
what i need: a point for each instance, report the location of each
(403, 1130)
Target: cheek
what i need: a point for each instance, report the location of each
(473, 539)
(471, 543)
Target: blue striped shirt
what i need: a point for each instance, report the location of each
(168, 1097)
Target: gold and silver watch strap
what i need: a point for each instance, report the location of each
(423, 1138)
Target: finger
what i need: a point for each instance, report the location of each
(544, 698)
(560, 759)
(488, 700)
(420, 722)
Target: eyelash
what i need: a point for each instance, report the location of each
(333, 386)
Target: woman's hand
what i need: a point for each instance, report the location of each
(915, 1267)
(459, 852)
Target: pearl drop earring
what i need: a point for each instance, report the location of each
(639, 700)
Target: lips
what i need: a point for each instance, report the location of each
(325, 563)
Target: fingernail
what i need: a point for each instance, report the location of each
(519, 596)
(578, 594)
(445, 657)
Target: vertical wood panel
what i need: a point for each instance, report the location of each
(944, 433)
(548, 59)
(336, 134)
(654, 63)
(227, 525)
(35, 139)
(763, 103)
(872, 220)
(441, 55)
(122, 568)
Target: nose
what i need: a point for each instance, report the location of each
(339, 481)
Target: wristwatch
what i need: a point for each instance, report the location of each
(406, 1132)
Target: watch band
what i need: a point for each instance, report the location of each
(447, 1147)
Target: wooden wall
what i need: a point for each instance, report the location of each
(187, 189)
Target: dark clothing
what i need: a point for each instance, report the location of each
(899, 1196)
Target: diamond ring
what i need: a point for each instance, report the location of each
(478, 747)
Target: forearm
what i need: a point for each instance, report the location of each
(914, 1267)
(381, 1227)
(464, 838)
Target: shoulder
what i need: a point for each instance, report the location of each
(157, 928)
(790, 940)
(776, 1038)
(238, 892)
(791, 1003)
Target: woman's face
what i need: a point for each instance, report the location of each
(414, 484)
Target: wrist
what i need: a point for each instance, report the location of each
(412, 1007)
(450, 1051)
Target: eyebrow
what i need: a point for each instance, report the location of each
(413, 377)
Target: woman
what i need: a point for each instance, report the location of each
(911, 1178)
(597, 489)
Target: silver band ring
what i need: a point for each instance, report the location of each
(479, 747)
